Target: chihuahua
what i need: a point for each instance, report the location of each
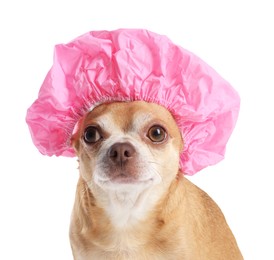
(132, 201)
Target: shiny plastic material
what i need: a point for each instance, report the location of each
(127, 65)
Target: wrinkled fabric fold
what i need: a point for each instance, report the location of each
(128, 65)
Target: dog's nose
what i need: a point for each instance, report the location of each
(119, 153)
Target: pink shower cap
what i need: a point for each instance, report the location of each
(128, 65)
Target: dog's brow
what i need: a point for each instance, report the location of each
(106, 122)
(110, 123)
(144, 116)
(141, 119)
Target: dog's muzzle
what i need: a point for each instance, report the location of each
(121, 160)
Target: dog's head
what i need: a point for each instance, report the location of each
(124, 145)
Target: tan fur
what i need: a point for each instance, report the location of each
(177, 220)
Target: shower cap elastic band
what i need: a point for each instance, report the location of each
(129, 65)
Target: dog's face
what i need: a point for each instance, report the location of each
(129, 203)
(126, 145)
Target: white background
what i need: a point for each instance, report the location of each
(235, 37)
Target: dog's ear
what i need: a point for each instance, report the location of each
(75, 143)
(76, 135)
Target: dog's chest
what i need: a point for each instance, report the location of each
(117, 245)
(136, 244)
(126, 248)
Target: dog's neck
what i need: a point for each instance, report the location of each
(125, 208)
(122, 208)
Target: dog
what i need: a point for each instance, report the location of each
(132, 201)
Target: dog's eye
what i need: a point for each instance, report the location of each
(156, 134)
(91, 135)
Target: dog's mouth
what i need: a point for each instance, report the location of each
(124, 179)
